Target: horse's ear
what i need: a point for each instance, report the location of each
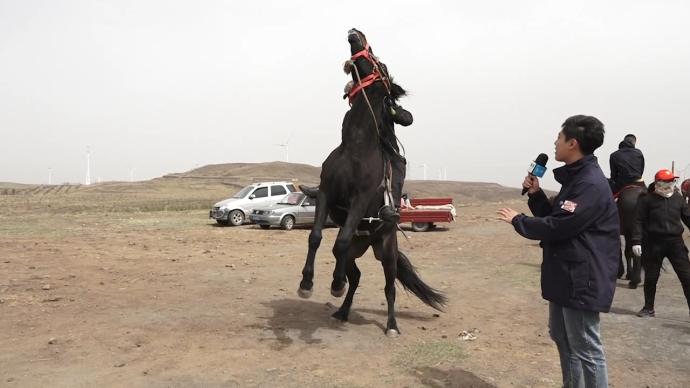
(397, 91)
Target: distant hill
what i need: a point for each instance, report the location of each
(253, 172)
(245, 173)
(217, 181)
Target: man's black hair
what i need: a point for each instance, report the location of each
(631, 138)
(587, 130)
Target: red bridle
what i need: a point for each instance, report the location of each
(371, 78)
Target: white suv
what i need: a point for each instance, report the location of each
(234, 210)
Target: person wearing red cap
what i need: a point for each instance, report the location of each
(658, 233)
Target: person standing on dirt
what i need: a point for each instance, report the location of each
(627, 164)
(658, 233)
(579, 233)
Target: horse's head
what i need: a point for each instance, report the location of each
(366, 67)
(362, 56)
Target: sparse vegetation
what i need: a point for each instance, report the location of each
(429, 354)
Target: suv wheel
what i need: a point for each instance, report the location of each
(236, 217)
(288, 222)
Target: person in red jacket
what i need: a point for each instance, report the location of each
(658, 233)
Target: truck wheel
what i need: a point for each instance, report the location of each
(236, 217)
(264, 226)
(420, 226)
(287, 222)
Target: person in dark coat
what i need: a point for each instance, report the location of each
(579, 233)
(395, 114)
(627, 164)
(658, 233)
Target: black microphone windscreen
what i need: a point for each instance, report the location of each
(542, 159)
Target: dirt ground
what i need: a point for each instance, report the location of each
(164, 298)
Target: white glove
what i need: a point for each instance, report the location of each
(637, 250)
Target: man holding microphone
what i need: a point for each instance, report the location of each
(579, 233)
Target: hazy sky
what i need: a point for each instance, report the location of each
(154, 87)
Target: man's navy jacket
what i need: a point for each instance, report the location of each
(580, 236)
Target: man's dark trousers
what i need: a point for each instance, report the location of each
(655, 250)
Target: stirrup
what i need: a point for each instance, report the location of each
(388, 214)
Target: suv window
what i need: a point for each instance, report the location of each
(277, 190)
(261, 192)
(243, 193)
(291, 187)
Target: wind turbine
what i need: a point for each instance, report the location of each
(423, 165)
(286, 145)
(50, 175)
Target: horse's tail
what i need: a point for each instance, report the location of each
(407, 275)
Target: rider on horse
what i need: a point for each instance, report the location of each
(627, 165)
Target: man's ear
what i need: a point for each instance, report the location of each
(573, 144)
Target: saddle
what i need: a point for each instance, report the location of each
(635, 185)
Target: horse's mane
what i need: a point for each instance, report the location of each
(397, 91)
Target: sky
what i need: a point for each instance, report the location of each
(157, 87)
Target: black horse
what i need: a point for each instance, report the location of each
(352, 190)
(627, 211)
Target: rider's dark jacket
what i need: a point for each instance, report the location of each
(627, 164)
(394, 114)
(659, 218)
(579, 233)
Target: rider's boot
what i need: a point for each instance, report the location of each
(389, 214)
(309, 191)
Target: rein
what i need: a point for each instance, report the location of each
(376, 75)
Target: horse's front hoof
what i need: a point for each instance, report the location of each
(392, 333)
(304, 294)
(338, 293)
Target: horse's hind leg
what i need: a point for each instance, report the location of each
(307, 283)
(386, 251)
(357, 249)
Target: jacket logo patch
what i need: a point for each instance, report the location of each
(569, 206)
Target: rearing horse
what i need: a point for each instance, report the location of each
(352, 190)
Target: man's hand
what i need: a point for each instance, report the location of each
(507, 214)
(637, 250)
(531, 183)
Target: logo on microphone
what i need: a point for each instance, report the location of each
(536, 169)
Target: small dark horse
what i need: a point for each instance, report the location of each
(352, 189)
(627, 211)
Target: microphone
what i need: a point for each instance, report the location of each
(537, 168)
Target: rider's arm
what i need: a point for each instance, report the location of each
(398, 114)
(402, 116)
